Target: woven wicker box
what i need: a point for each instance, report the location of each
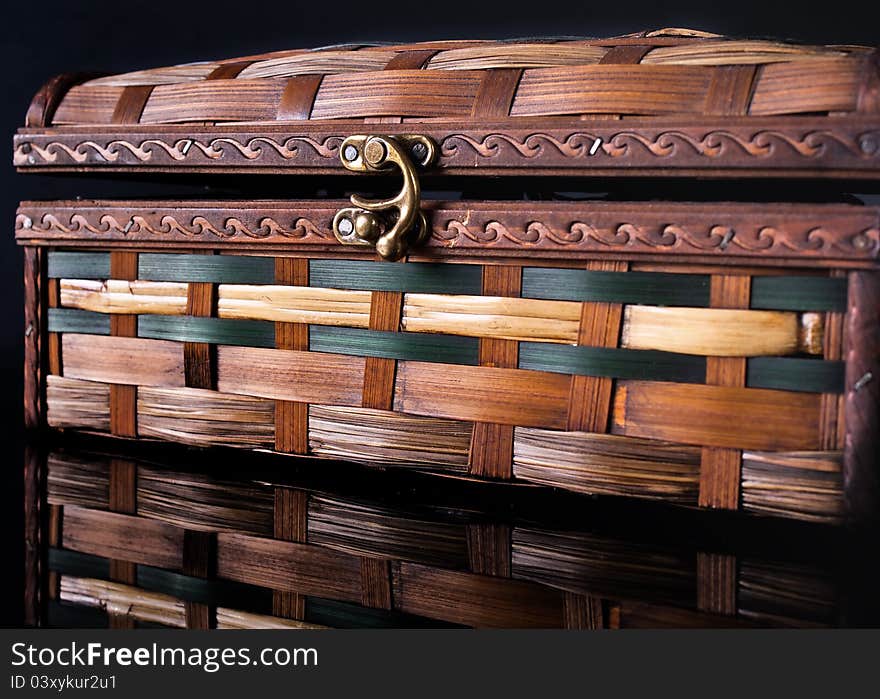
(705, 345)
(262, 548)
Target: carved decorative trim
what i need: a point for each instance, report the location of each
(794, 144)
(724, 230)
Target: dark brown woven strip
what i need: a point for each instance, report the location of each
(228, 71)
(123, 398)
(385, 311)
(496, 93)
(56, 522)
(720, 468)
(589, 403)
(34, 333)
(122, 498)
(199, 554)
(411, 60)
(292, 418)
(376, 583)
(832, 415)
(628, 54)
(298, 98)
(131, 104)
(716, 583)
(290, 517)
(200, 358)
(53, 340)
(492, 444)
(489, 549)
(582, 612)
(730, 90)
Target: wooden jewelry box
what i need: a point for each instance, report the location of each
(703, 334)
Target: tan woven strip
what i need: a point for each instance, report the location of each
(199, 550)
(589, 403)
(290, 516)
(298, 98)
(730, 90)
(131, 104)
(492, 444)
(292, 417)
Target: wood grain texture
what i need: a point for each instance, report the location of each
(385, 311)
(123, 398)
(123, 537)
(35, 598)
(862, 351)
(716, 583)
(492, 443)
(290, 523)
(607, 464)
(124, 360)
(719, 416)
(489, 549)
(289, 567)
(199, 358)
(290, 375)
(77, 404)
(482, 394)
(198, 561)
(474, 600)
(34, 332)
(589, 401)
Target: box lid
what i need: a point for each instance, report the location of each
(675, 100)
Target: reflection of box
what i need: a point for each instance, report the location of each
(211, 545)
(710, 344)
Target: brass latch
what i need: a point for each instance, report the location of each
(390, 225)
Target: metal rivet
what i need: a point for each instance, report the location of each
(27, 222)
(29, 330)
(25, 147)
(419, 151)
(725, 241)
(595, 147)
(345, 226)
(129, 225)
(31, 159)
(866, 378)
(861, 242)
(350, 153)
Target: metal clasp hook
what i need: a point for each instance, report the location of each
(389, 225)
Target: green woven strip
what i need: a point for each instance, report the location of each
(221, 269)
(79, 265)
(81, 565)
(612, 362)
(213, 592)
(214, 331)
(794, 374)
(655, 288)
(799, 293)
(445, 349)
(384, 276)
(73, 320)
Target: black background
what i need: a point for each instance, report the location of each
(42, 38)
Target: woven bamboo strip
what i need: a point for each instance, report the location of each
(295, 304)
(785, 594)
(585, 563)
(609, 464)
(388, 438)
(186, 72)
(196, 501)
(123, 360)
(801, 485)
(491, 56)
(807, 86)
(723, 52)
(710, 331)
(205, 418)
(78, 481)
(319, 63)
(369, 530)
(118, 296)
(77, 403)
(236, 619)
(125, 600)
